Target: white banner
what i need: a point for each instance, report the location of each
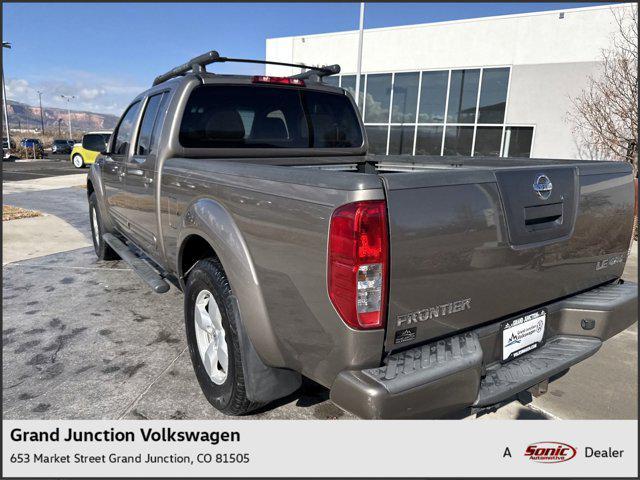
(319, 448)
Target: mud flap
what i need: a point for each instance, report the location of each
(263, 384)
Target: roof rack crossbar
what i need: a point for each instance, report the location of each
(198, 63)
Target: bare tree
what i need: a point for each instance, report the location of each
(605, 114)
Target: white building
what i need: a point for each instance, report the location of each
(485, 86)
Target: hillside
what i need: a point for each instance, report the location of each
(28, 117)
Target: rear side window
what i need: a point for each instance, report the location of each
(243, 116)
(125, 130)
(149, 124)
(94, 142)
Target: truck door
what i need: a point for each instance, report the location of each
(113, 167)
(140, 198)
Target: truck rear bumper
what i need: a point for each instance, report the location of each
(464, 370)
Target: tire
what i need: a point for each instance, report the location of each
(103, 251)
(227, 392)
(78, 161)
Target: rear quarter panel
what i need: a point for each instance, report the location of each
(281, 215)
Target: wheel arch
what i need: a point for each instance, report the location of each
(94, 185)
(207, 228)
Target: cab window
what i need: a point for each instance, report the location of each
(124, 131)
(151, 121)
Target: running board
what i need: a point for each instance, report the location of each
(144, 270)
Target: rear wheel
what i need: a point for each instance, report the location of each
(78, 161)
(103, 251)
(213, 339)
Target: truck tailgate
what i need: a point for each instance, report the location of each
(473, 245)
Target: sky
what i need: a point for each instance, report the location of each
(105, 54)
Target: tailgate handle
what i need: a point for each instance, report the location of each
(543, 215)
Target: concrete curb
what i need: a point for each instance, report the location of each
(47, 183)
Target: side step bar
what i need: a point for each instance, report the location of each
(145, 271)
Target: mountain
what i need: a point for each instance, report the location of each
(25, 116)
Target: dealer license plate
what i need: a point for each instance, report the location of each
(522, 334)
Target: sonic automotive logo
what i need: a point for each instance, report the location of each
(550, 452)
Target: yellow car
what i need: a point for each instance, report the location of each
(86, 152)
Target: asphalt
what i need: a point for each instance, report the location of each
(53, 166)
(85, 339)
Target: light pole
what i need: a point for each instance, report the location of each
(41, 116)
(359, 64)
(69, 98)
(4, 100)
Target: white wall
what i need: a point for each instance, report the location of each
(540, 95)
(506, 40)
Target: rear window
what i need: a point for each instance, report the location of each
(239, 116)
(95, 142)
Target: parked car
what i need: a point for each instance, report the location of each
(7, 146)
(32, 143)
(85, 153)
(61, 146)
(410, 286)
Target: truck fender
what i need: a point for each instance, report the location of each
(94, 180)
(208, 219)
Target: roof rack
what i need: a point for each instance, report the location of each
(197, 65)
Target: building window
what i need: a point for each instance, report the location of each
(332, 80)
(442, 112)
(378, 98)
(348, 82)
(405, 98)
(463, 96)
(429, 140)
(458, 141)
(488, 141)
(517, 142)
(377, 136)
(493, 95)
(401, 140)
(433, 97)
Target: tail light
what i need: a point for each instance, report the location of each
(278, 80)
(358, 263)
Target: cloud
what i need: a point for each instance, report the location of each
(93, 93)
(17, 87)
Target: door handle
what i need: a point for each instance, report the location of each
(135, 171)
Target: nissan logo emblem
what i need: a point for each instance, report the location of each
(543, 187)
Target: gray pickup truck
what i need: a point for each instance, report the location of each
(410, 286)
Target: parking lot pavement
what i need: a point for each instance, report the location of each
(26, 170)
(86, 339)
